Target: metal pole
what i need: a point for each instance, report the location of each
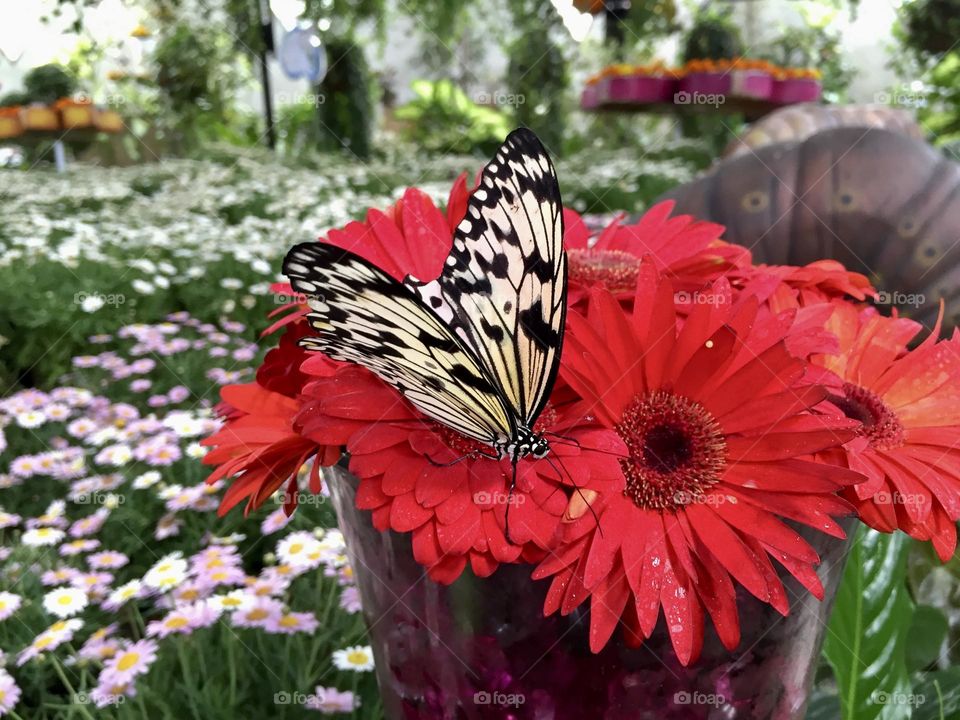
(266, 46)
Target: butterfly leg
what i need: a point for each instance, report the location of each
(475, 453)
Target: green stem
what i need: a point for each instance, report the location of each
(232, 666)
(73, 693)
(191, 683)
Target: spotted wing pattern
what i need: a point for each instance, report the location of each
(503, 287)
(364, 316)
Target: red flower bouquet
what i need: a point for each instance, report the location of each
(714, 427)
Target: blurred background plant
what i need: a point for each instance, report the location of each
(928, 32)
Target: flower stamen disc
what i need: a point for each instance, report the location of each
(615, 269)
(880, 424)
(677, 450)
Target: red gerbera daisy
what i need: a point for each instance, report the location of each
(260, 443)
(909, 404)
(716, 417)
(418, 476)
(688, 250)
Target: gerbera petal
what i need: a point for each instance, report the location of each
(606, 606)
(729, 549)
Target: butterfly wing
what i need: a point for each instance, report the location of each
(364, 316)
(503, 287)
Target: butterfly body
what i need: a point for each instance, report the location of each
(478, 348)
(527, 442)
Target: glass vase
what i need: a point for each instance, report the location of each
(480, 648)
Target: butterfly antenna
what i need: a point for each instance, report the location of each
(564, 440)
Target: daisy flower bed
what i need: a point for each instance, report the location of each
(123, 595)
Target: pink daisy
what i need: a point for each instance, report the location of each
(133, 660)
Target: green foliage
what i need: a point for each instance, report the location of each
(928, 629)
(940, 115)
(346, 110)
(816, 46)
(197, 78)
(48, 83)
(298, 127)
(14, 98)
(645, 23)
(714, 35)
(442, 119)
(443, 27)
(931, 26)
(868, 631)
(345, 15)
(941, 696)
(539, 80)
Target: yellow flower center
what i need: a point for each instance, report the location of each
(128, 660)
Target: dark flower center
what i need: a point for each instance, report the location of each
(677, 450)
(880, 424)
(615, 269)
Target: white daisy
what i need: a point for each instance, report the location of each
(65, 601)
(31, 419)
(167, 573)
(148, 479)
(358, 658)
(42, 536)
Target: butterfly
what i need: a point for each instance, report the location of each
(478, 348)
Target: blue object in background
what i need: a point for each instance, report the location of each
(301, 55)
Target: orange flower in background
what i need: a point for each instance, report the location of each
(909, 404)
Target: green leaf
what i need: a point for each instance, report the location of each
(928, 630)
(866, 638)
(823, 705)
(938, 696)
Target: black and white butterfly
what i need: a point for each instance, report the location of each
(478, 348)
